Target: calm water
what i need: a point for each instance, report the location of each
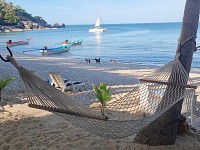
(153, 44)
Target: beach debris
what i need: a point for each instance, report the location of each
(2, 109)
(95, 105)
(183, 126)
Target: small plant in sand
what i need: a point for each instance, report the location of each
(102, 94)
(3, 83)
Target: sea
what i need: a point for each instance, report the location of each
(146, 44)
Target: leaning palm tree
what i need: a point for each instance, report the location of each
(163, 130)
(103, 95)
(3, 83)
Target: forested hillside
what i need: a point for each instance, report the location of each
(11, 14)
(15, 18)
(8, 13)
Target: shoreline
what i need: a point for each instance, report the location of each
(79, 63)
(29, 128)
(10, 29)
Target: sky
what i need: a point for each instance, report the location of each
(72, 12)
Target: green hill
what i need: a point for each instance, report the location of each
(12, 15)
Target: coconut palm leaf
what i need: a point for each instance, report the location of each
(4, 82)
(102, 94)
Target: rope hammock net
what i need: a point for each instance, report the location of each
(153, 96)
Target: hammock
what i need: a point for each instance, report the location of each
(151, 98)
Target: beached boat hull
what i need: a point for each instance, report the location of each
(55, 50)
(23, 42)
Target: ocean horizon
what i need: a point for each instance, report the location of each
(141, 43)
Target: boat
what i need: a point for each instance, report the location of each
(60, 49)
(74, 43)
(77, 42)
(10, 43)
(97, 27)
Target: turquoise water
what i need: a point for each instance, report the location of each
(152, 44)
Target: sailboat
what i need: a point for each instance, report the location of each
(97, 27)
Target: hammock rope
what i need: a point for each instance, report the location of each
(149, 100)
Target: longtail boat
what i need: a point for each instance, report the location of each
(54, 50)
(22, 42)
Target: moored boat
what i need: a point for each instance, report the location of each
(10, 43)
(97, 27)
(77, 42)
(74, 43)
(64, 48)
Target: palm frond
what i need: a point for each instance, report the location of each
(102, 94)
(4, 82)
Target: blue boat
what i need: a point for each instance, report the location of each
(64, 48)
(77, 42)
(74, 43)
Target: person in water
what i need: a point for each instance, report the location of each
(65, 42)
(9, 43)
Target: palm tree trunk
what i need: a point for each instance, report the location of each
(189, 29)
(162, 131)
(0, 95)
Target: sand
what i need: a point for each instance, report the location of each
(24, 128)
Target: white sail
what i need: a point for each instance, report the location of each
(97, 22)
(97, 27)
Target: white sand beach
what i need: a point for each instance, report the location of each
(24, 128)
